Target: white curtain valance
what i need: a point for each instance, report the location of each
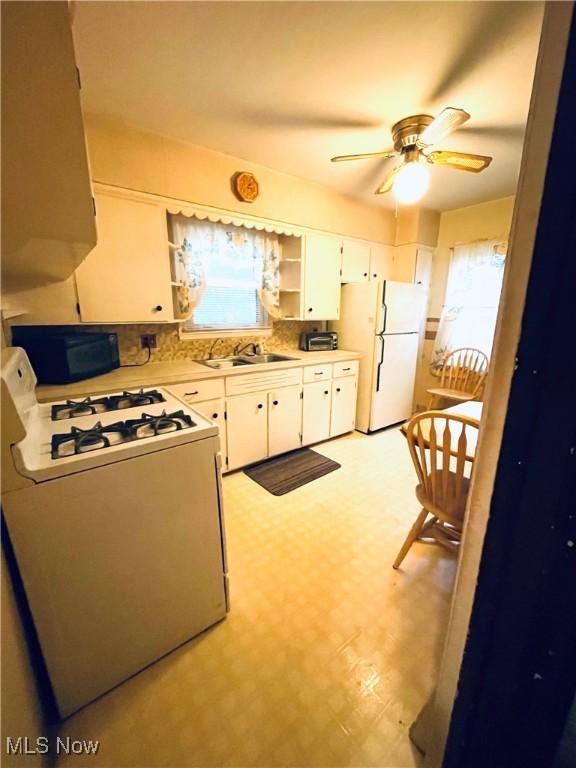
(225, 217)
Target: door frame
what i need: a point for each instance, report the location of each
(507, 677)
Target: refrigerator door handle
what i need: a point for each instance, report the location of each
(384, 317)
(380, 363)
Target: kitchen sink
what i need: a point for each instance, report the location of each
(269, 358)
(235, 360)
(225, 362)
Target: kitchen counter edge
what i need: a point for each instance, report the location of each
(178, 372)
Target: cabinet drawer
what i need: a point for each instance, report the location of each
(256, 382)
(317, 373)
(349, 368)
(195, 391)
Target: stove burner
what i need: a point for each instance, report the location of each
(83, 440)
(149, 426)
(88, 406)
(96, 437)
(72, 408)
(134, 399)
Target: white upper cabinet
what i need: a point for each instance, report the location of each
(321, 277)
(355, 262)
(48, 223)
(127, 277)
(381, 262)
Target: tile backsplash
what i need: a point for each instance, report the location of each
(285, 335)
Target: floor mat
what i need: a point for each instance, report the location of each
(291, 470)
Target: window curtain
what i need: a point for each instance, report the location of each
(470, 308)
(205, 251)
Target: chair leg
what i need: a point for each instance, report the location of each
(411, 538)
(431, 403)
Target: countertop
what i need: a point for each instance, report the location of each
(179, 371)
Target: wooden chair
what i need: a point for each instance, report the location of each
(439, 447)
(462, 378)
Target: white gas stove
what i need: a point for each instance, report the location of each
(75, 435)
(114, 509)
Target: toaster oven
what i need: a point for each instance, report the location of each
(318, 341)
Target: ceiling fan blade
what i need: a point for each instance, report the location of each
(461, 161)
(386, 185)
(446, 122)
(340, 158)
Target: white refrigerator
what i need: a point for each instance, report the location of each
(382, 320)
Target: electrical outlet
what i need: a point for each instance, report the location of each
(148, 341)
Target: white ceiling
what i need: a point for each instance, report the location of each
(289, 84)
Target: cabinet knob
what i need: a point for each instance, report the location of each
(309, 309)
(274, 402)
(365, 274)
(326, 392)
(374, 275)
(157, 308)
(337, 389)
(214, 415)
(260, 405)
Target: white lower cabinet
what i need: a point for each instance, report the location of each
(247, 425)
(276, 420)
(284, 420)
(343, 411)
(316, 412)
(215, 410)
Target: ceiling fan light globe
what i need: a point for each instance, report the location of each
(411, 183)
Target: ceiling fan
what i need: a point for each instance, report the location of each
(413, 139)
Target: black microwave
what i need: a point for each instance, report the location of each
(61, 357)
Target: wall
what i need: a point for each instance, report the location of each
(136, 159)
(463, 225)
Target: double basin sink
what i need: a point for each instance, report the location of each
(236, 360)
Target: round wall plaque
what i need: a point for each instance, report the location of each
(245, 186)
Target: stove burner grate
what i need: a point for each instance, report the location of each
(90, 406)
(83, 440)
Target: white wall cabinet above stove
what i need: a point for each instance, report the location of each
(48, 223)
(127, 277)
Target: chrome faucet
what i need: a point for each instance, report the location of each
(256, 349)
(211, 350)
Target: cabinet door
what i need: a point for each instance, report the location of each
(126, 277)
(321, 280)
(343, 413)
(284, 420)
(381, 262)
(48, 224)
(215, 410)
(316, 412)
(355, 262)
(247, 426)
(423, 271)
